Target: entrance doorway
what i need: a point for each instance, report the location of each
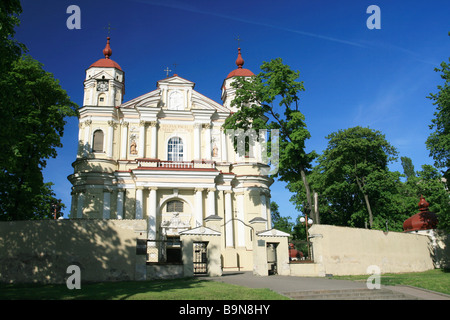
(272, 258)
(200, 258)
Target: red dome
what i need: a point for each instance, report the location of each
(106, 62)
(424, 220)
(240, 72)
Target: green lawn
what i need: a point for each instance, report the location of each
(177, 289)
(435, 280)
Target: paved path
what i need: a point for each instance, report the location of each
(282, 284)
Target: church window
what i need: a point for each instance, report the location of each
(175, 206)
(175, 149)
(97, 141)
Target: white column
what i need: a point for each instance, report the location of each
(87, 134)
(229, 236)
(124, 143)
(106, 204)
(207, 141)
(151, 213)
(198, 216)
(141, 147)
(80, 205)
(139, 202)
(224, 152)
(120, 198)
(109, 150)
(211, 209)
(153, 146)
(240, 223)
(264, 208)
(197, 141)
(80, 140)
(269, 215)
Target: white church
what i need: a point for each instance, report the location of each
(165, 158)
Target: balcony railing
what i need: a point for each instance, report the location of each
(194, 164)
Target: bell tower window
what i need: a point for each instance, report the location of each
(97, 141)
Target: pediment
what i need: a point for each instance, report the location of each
(100, 75)
(201, 231)
(273, 233)
(175, 81)
(150, 99)
(176, 94)
(201, 102)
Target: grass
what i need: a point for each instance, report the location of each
(196, 289)
(176, 289)
(436, 280)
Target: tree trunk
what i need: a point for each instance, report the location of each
(308, 191)
(316, 208)
(366, 199)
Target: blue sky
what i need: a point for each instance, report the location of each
(352, 75)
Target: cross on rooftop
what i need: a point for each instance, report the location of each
(109, 28)
(238, 39)
(167, 71)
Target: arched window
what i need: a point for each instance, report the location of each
(175, 206)
(97, 141)
(175, 149)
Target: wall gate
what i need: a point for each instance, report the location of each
(200, 258)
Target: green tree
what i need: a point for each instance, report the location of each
(270, 100)
(439, 140)
(33, 107)
(352, 177)
(10, 49)
(279, 222)
(429, 184)
(408, 167)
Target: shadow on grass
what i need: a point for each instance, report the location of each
(156, 289)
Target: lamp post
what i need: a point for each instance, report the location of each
(56, 206)
(307, 222)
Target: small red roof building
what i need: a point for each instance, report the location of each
(423, 220)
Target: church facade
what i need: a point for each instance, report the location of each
(164, 157)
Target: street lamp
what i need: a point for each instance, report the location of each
(56, 206)
(307, 221)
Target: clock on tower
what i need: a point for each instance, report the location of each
(102, 86)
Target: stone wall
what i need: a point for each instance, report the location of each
(41, 251)
(350, 251)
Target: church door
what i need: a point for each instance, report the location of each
(200, 258)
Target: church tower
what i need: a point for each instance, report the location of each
(228, 92)
(105, 81)
(93, 177)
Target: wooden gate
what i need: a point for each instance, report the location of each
(200, 258)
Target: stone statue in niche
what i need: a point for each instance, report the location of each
(215, 151)
(133, 147)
